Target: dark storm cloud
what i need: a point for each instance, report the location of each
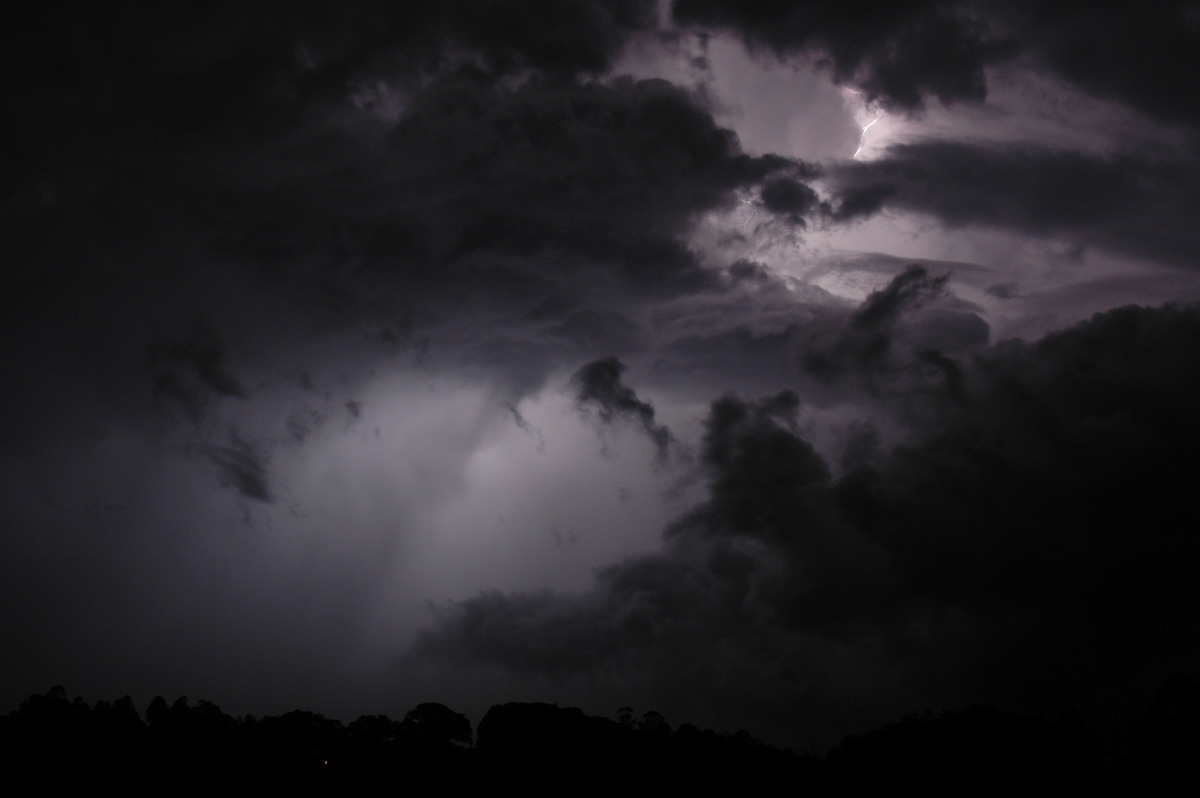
(734, 357)
(1133, 204)
(242, 465)
(900, 53)
(790, 198)
(749, 271)
(1029, 547)
(907, 291)
(223, 62)
(548, 35)
(897, 53)
(428, 209)
(603, 178)
(1143, 55)
(796, 335)
(859, 201)
(599, 389)
(526, 427)
(191, 373)
(583, 327)
(1030, 188)
(756, 457)
(166, 161)
(94, 88)
(866, 343)
(302, 420)
(546, 207)
(1009, 290)
(860, 444)
(743, 335)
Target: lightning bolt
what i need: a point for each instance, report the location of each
(862, 140)
(750, 216)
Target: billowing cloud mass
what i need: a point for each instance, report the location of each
(1133, 204)
(866, 341)
(768, 364)
(241, 466)
(599, 388)
(897, 53)
(1007, 553)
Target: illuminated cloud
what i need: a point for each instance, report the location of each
(317, 310)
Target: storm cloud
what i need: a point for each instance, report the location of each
(903, 54)
(865, 344)
(970, 561)
(599, 388)
(317, 313)
(897, 53)
(1130, 203)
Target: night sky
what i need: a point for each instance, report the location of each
(772, 365)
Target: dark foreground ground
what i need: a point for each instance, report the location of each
(55, 745)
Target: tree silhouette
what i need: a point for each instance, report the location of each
(436, 724)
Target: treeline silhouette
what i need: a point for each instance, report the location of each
(56, 745)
